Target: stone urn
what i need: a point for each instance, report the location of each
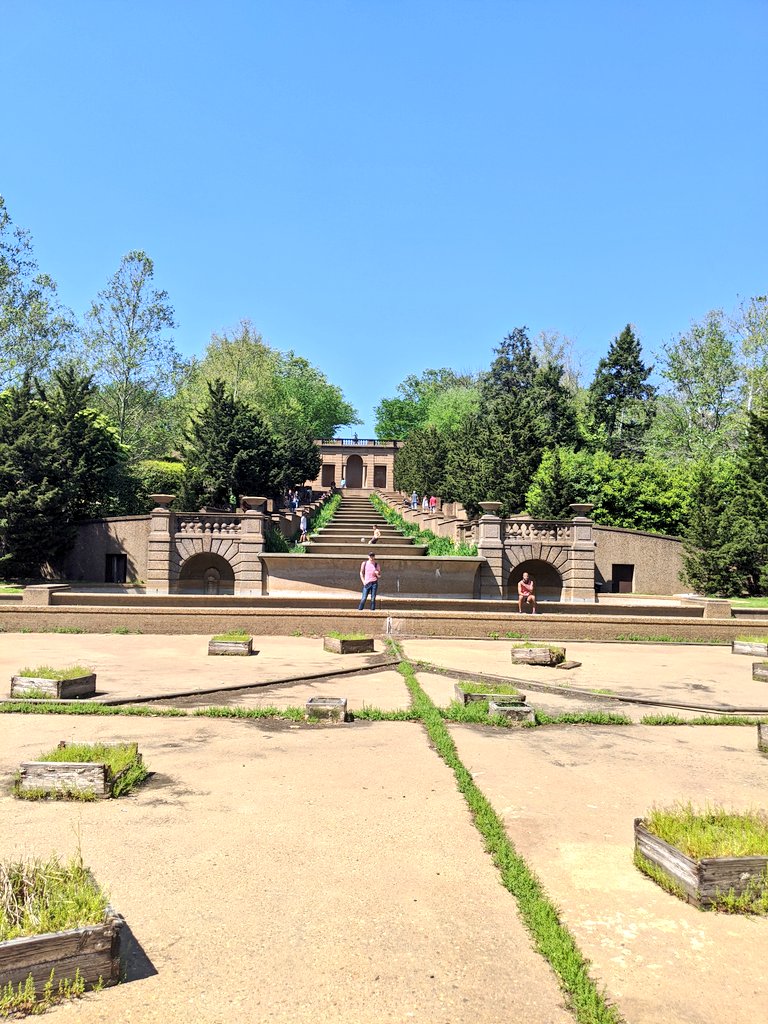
(161, 501)
(490, 508)
(581, 510)
(253, 504)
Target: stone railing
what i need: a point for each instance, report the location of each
(218, 523)
(358, 442)
(553, 530)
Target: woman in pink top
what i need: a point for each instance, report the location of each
(370, 572)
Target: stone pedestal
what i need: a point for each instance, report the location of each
(579, 577)
(159, 547)
(249, 578)
(490, 546)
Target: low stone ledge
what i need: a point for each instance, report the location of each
(762, 738)
(515, 712)
(760, 671)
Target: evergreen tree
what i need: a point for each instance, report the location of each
(299, 457)
(747, 526)
(420, 463)
(554, 408)
(555, 491)
(33, 529)
(706, 559)
(89, 462)
(230, 451)
(620, 399)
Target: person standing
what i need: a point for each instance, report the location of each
(425, 504)
(414, 500)
(433, 504)
(370, 573)
(303, 526)
(525, 593)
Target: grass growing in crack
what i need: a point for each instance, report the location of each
(268, 711)
(710, 831)
(551, 937)
(64, 793)
(670, 719)
(48, 672)
(39, 896)
(21, 707)
(367, 714)
(583, 718)
(475, 713)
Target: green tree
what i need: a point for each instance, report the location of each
(135, 364)
(88, 460)
(230, 452)
(33, 530)
(398, 417)
(420, 463)
(289, 391)
(35, 328)
(747, 525)
(553, 490)
(707, 560)
(699, 417)
(620, 400)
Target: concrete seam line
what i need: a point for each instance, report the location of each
(551, 937)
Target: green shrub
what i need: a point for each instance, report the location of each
(39, 896)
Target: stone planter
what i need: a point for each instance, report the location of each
(469, 698)
(337, 646)
(548, 656)
(512, 710)
(331, 709)
(700, 880)
(232, 648)
(94, 951)
(762, 739)
(57, 689)
(760, 671)
(752, 647)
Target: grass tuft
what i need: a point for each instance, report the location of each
(48, 672)
(39, 896)
(711, 831)
(233, 636)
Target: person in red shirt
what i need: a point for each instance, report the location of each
(525, 594)
(370, 572)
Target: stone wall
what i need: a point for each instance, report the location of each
(657, 559)
(128, 535)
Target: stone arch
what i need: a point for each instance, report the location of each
(547, 565)
(354, 473)
(205, 572)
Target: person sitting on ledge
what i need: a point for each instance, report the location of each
(375, 535)
(525, 594)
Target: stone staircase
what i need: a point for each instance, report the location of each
(350, 530)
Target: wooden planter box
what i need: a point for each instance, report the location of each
(69, 776)
(58, 689)
(762, 738)
(93, 950)
(756, 649)
(701, 880)
(760, 671)
(337, 646)
(468, 698)
(511, 709)
(233, 648)
(332, 709)
(538, 656)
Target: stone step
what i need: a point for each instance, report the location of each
(362, 549)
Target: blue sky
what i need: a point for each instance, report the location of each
(385, 187)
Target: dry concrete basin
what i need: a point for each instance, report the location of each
(277, 872)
